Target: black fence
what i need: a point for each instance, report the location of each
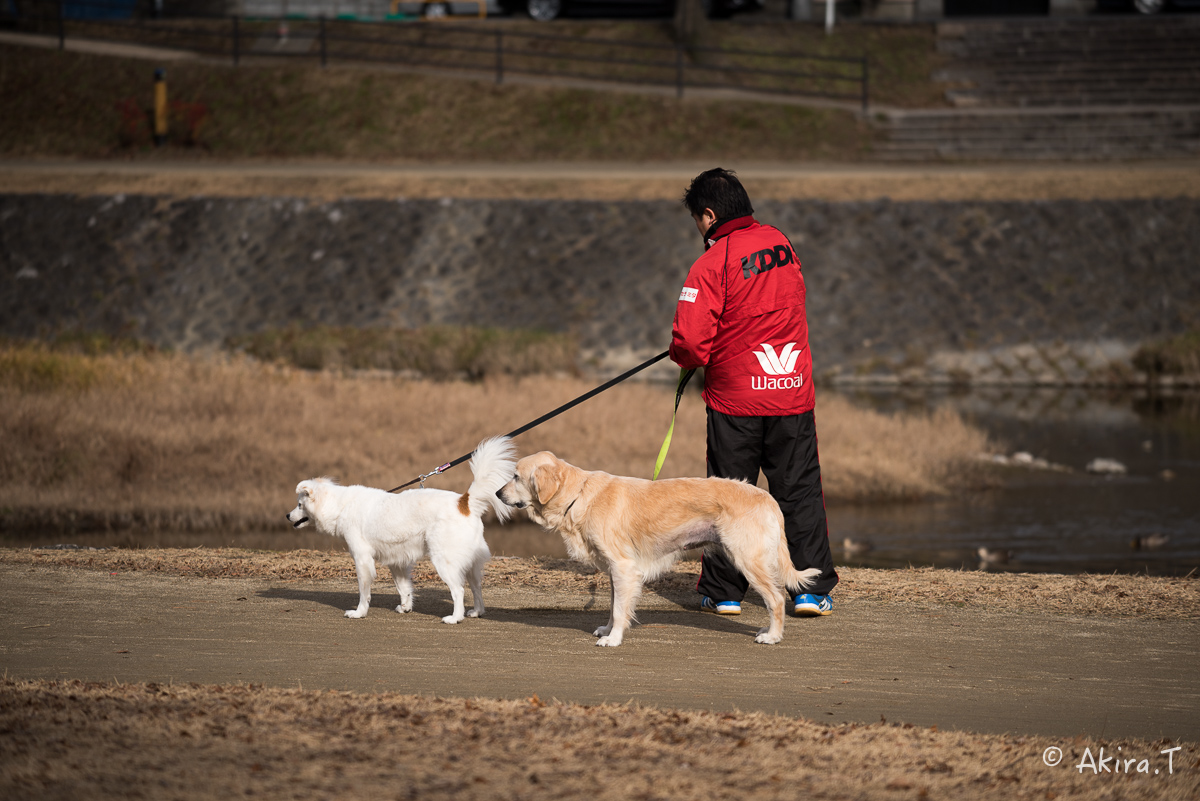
(481, 47)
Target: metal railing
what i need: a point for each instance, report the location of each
(477, 48)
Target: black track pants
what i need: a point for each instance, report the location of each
(785, 449)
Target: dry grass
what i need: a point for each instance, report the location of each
(66, 104)
(438, 352)
(165, 441)
(1176, 356)
(1142, 597)
(73, 739)
(894, 457)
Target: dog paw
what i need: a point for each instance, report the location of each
(609, 642)
(473, 613)
(355, 614)
(402, 609)
(451, 619)
(603, 631)
(767, 639)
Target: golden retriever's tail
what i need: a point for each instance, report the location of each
(795, 580)
(493, 464)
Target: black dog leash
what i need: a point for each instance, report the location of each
(549, 415)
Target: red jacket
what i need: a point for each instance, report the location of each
(741, 317)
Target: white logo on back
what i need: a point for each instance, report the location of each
(782, 364)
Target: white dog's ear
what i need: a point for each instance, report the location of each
(546, 480)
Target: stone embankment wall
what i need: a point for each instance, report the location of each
(983, 292)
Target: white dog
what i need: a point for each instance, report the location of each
(399, 529)
(635, 529)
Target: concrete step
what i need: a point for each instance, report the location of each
(951, 153)
(998, 48)
(1006, 149)
(1053, 137)
(1072, 62)
(1094, 134)
(1090, 28)
(969, 98)
(1171, 66)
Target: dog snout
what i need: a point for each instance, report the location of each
(506, 501)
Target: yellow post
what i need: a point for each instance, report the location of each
(160, 106)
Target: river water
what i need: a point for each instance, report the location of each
(1146, 520)
(1044, 520)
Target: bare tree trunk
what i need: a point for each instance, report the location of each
(691, 22)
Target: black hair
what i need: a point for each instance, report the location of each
(720, 191)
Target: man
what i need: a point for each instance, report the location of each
(741, 317)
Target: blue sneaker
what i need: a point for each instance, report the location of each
(813, 605)
(720, 607)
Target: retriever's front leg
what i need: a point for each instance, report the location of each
(365, 567)
(626, 586)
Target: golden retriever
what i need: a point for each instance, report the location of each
(635, 529)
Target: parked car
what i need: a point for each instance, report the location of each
(546, 10)
(1145, 6)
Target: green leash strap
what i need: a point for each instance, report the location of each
(684, 377)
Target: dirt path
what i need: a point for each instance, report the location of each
(591, 181)
(969, 668)
(215, 674)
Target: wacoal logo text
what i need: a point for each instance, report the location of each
(782, 364)
(778, 368)
(787, 382)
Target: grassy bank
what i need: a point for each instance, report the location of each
(69, 104)
(167, 441)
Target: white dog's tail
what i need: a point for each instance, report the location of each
(795, 580)
(493, 464)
